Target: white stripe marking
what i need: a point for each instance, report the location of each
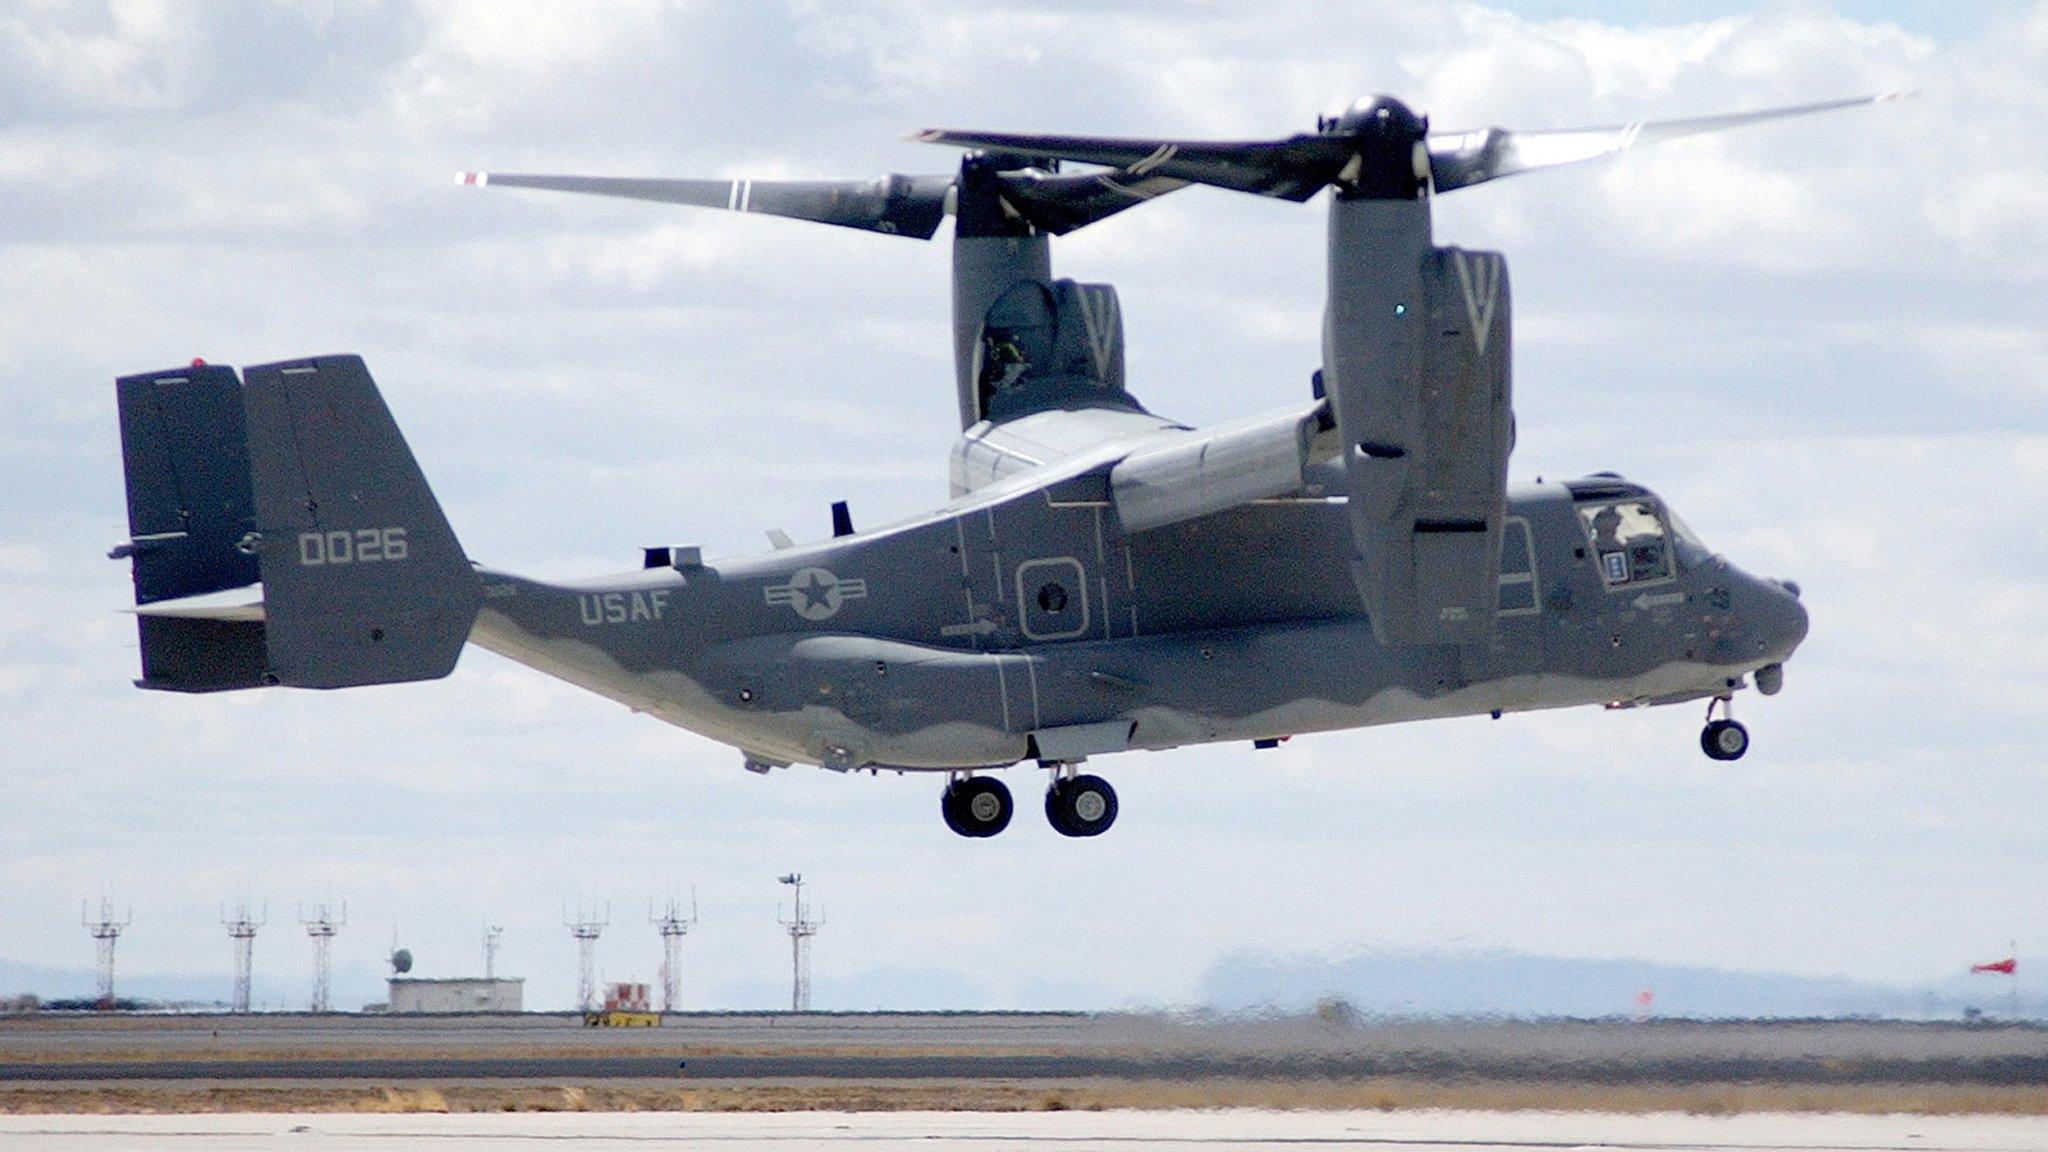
(1158, 156)
(1479, 278)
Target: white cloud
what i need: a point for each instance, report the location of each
(649, 259)
(78, 63)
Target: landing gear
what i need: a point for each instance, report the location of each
(976, 806)
(1080, 805)
(1723, 739)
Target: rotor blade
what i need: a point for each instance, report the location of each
(1292, 169)
(1061, 204)
(1462, 159)
(897, 205)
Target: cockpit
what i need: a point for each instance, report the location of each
(1631, 537)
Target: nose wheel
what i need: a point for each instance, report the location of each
(1723, 739)
(1080, 805)
(976, 806)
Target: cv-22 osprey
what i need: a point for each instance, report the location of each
(1103, 579)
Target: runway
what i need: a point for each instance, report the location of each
(60, 1048)
(1068, 1131)
(2008, 1070)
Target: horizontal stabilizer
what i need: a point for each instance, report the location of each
(193, 654)
(232, 604)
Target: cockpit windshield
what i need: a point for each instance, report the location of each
(1629, 541)
(1690, 549)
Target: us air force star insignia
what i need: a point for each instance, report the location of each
(815, 593)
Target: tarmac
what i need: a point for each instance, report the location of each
(1068, 1131)
(56, 1048)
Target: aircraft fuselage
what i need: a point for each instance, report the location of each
(1022, 623)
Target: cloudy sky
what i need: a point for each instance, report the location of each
(1824, 342)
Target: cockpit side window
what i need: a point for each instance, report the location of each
(1630, 543)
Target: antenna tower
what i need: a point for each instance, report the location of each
(322, 928)
(242, 929)
(106, 931)
(801, 929)
(492, 935)
(673, 927)
(586, 930)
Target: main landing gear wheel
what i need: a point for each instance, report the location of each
(1080, 806)
(977, 806)
(1723, 739)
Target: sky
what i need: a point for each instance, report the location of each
(1824, 342)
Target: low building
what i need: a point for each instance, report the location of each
(456, 994)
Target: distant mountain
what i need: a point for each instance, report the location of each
(1418, 983)
(1520, 984)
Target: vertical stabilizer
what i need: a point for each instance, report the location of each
(363, 579)
(186, 451)
(298, 479)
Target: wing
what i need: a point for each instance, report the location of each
(1292, 169)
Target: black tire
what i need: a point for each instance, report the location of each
(977, 807)
(1081, 806)
(1724, 740)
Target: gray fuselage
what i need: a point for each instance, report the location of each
(1021, 622)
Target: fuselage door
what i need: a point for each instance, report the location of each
(1514, 654)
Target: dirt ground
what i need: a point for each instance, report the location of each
(1084, 1095)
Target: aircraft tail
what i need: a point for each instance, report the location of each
(295, 476)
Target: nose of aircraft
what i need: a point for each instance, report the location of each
(1776, 617)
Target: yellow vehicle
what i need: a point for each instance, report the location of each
(613, 1019)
